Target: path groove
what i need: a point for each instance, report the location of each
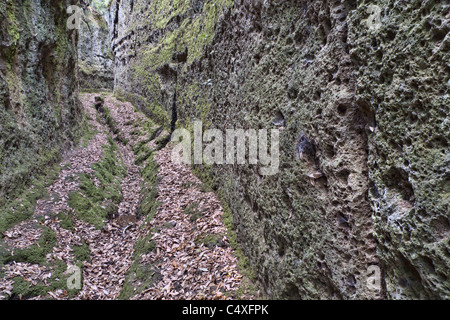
(191, 252)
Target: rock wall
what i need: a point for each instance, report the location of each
(402, 88)
(39, 106)
(361, 108)
(96, 70)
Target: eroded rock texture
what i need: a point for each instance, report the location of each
(39, 107)
(95, 62)
(402, 72)
(362, 110)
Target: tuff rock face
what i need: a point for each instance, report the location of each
(363, 181)
(402, 71)
(95, 63)
(39, 108)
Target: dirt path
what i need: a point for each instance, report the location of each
(189, 256)
(192, 251)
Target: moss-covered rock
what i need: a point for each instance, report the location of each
(402, 89)
(363, 106)
(95, 64)
(39, 108)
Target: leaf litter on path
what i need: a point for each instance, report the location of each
(190, 267)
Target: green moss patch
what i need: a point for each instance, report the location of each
(81, 252)
(143, 154)
(193, 211)
(35, 253)
(112, 124)
(86, 132)
(58, 280)
(94, 204)
(142, 276)
(66, 220)
(152, 110)
(147, 206)
(22, 207)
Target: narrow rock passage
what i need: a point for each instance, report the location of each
(111, 251)
(190, 253)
